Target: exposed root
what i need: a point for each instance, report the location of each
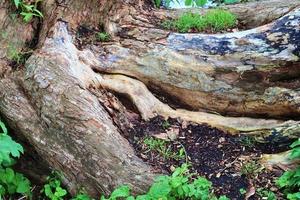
(281, 160)
(149, 106)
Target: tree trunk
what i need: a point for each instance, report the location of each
(58, 100)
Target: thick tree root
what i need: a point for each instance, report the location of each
(280, 160)
(149, 106)
(252, 73)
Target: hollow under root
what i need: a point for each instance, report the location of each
(149, 106)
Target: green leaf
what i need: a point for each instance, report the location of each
(48, 191)
(230, 1)
(23, 187)
(223, 198)
(294, 196)
(9, 147)
(3, 127)
(295, 153)
(160, 189)
(17, 3)
(188, 2)
(296, 143)
(157, 3)
(201, 2)
(10, 175)
(122, 191)
(60, 192)
(26, 16)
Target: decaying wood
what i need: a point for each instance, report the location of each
(248, 73)
(250, 77)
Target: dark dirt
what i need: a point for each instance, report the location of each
(218, 156)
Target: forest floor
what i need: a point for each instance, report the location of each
(229, 162)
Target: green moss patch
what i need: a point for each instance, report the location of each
(214, 20)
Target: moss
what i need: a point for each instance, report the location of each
(102, 36)
(215, 19)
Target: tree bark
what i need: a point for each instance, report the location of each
(57, 101)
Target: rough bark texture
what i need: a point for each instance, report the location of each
(57, 101)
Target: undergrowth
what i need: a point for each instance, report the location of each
(290, 180)
(12, 184)
(198, 3)
(214, 20)
(180, 185)
(28, 10)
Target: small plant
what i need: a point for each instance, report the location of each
(82, 196)
(11, 182)
(180, 185)
(166, 124)
(230, 1)
(251, 169)
(52, 189)
(215, 19)
(243, 191)
(190, 21)
(102, 36)
(219, 19)
(247, 141)
(266, 194)
(290, 180)
(197, 3)
(16, 56)
(28, 10)
(162, 147)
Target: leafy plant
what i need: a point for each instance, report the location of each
(162, 147)
(215, 19)
(82, 196)
(166, 124)
(180, 185)
(11, 182)
(17, 56)
(198, 3)
(247, 141)
(102, 36)
(290, 180)
(265, 194)
(230, 1)
(53, 189)
(28, 10)
(251, 169)
(243, 191)
(219, 19)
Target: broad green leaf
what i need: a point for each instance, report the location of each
(2, 190)
(3, 127)
(122, 191)
(17, 3)
(160, 189)
(60, 192)
(296, 143)
(294, 196)
(201, 2)
(9, 147)
(230, 1)
(23, 187)
(26, 16)
(295, 153)
(10, 175)
(188, 2)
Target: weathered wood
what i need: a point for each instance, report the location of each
(248, 73)
(68, 125)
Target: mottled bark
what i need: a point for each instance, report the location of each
(57, 101)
